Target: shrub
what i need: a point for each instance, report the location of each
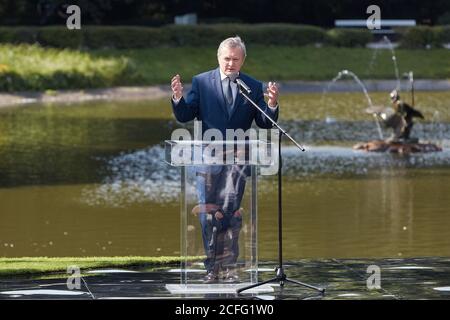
(97, 37)
(190, 35)
(441, 35)
(17, 35)
(265, 34)
(348, 37)
(124, 37)
(417, 37)
(59, 37)
(283, 34)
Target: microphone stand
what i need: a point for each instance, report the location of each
(280, 274)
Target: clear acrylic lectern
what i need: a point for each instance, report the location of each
(218, 212)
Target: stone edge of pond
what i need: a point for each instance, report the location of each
(75, 96)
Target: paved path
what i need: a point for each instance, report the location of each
(161, 91)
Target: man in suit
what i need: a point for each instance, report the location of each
(214, 99)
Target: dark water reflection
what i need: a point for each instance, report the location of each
(42, 148)
(90, 180)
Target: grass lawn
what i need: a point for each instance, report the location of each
(293, 63)
(30, 67)
(43, 265)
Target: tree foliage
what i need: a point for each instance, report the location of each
(159, 12)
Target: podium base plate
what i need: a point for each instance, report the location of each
(215, 288)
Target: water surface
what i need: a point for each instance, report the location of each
(89, 179)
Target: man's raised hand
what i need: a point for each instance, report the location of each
(272, 92)
(177, 87)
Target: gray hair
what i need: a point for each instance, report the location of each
(233, 42)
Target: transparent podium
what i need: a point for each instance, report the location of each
(218, 212)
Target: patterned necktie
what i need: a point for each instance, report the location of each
(228, 93)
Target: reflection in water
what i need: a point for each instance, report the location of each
(397, 213)
(333, 160)
(90, 180)
(137, 177)
(338, 202)
(318, 131)
(143, 176)
(46, 145)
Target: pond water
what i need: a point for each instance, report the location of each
(89, 180)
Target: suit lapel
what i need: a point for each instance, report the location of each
(218, 87)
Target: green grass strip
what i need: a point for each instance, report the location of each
(44, 265)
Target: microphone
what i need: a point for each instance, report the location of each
(234, 77)
(243, 86)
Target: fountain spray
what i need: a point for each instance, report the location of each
(369, 101)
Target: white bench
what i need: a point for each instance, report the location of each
(386, 24)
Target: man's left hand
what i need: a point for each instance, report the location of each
(272, 93)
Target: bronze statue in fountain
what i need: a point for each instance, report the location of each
(401, 122)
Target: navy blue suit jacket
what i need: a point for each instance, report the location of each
(206, 102)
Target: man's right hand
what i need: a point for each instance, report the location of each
(177, 87)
